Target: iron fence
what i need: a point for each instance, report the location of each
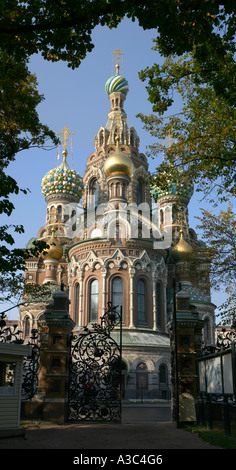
(30, 368)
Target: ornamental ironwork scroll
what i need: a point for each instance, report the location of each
(224, 341)
(94, 392)
(30, 368)
(10, 334)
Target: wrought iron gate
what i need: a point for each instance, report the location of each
(95, 372)
(30, 369)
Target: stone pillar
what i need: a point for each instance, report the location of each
(184, 367)
(81, 295)
(154, 300)
(104, 276)
(55, 330)
(131, 321)
(164, 283)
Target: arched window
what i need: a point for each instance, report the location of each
(118, 234)
(132, 138)
(48, 215)
(76, 311)
(52, 214)
(142, 376)
(93, 307)
(27, 326)
(93, 193)
(207, 330)
(141, 301)
(59, 213)
(163, 374)
(139, 193)
(117, 292)
(101, 138)
(115, 135)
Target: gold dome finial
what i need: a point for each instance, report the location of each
(182, 251)
(64, 154)
(55, 250)
(117, 139)
(117, 69)
(118, 163)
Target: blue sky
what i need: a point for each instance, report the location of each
(77, 99)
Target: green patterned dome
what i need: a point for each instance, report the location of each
(196, 297)
(195, 294)
(62, 180)
(116, 83)
(173, 187)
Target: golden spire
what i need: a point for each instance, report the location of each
(64, 153)
(117, 53)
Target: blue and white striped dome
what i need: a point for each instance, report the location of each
(116, 83)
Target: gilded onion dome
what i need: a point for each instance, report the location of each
(62, 180)
(182, 251)
(118, 163)
(55, 250)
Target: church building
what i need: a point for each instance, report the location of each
(112, 238)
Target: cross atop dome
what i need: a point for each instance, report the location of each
(117, 83)
(65, 134)
(117, 53)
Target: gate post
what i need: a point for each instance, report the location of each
(185, 335)
(55, 330)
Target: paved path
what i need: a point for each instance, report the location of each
(149, 413)
(139, 430)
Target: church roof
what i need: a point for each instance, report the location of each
(195, 295)
(141, 339)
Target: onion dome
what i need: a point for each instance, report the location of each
(55, 250)
(182, 251)
(195, 295)
(62, 180)
(118, 163)
(175, 185)
(116, 83)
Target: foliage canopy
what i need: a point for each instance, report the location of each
(202, 133)
(61, 30)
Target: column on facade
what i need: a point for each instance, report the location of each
(164, 283)
(154, 305)
(104, 277)
(81, 276)
(59, 274)
(131, 275)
